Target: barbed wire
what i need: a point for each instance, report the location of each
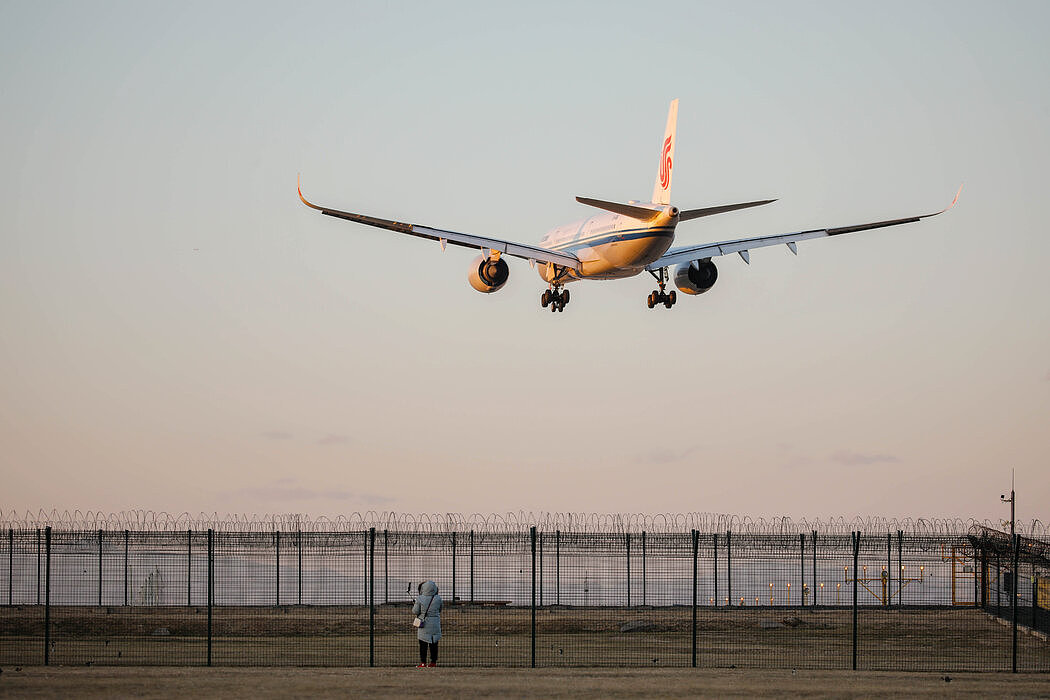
(155, 521)
(1031, 548)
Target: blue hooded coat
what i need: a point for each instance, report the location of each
(430, 630)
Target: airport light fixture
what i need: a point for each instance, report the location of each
(1012, 501)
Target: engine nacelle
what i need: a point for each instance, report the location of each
(696, 277)
(488, 275)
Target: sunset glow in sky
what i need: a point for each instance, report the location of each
(181, 334)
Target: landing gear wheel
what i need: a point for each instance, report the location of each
(659, 296)
(556, 298)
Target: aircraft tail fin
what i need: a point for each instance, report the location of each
(662, 188)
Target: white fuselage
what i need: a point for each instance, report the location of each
(610, 246)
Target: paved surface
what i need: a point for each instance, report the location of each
(90, 682)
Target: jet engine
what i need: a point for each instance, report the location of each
(696, 277)
(488, 275)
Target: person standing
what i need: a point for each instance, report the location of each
(428, 609)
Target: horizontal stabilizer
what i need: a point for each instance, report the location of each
(708, 211)
(640, 213)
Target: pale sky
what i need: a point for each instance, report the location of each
(181, 334)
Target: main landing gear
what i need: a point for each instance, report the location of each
(556, 298)
(658, 296)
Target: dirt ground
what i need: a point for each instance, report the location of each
(912, 640)
(64, 682)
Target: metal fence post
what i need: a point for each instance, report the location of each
(38, 566)
(100, 568)
(1033, 615)
(189, 568)
(714, 538)
(10, 565)
(889, 571)
(453, 566)
(47, 596)
(364, 573)
(856, 559)
(900, 568)
(802, 568)
(644, 571)
(277, 561)
(211, 584)
(815, 586)
(386, 566)
(299, 566)
(628, 540)
(532, 536)
(1014, 591)
(471, 566)
(729, 566)
(975, 577)
(696, 549)
(984, 579)
(127, 536)
(539, 555)
(557, 567)
(372, 597)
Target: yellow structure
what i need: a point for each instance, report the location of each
(879, 586)
(961, 572)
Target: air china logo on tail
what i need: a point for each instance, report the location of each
(665, 164)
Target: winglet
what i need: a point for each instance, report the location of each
(299, 187)
(958, 192)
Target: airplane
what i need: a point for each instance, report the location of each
(624, 240)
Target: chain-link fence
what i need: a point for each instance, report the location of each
(1015, 583)
(531, 597)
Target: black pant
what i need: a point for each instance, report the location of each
(423, 652)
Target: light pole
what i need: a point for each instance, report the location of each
(1014, 578)
(1012, 501)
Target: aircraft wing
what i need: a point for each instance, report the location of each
(743, 245)
(519, 250)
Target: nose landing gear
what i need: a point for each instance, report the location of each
(556, 298)
(658, 296)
